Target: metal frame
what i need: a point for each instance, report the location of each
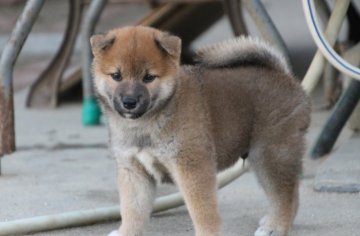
(7, 61)
(44, 92)
(348, 101)
(91, 18)
(233, 9)
(91, 110)
(343, 109)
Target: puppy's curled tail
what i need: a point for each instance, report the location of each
(242, 51)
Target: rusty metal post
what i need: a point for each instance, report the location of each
(7, 61)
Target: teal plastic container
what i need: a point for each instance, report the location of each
(91, 112)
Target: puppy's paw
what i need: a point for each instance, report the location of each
(114, 233)
(263, 220)
(264, 231)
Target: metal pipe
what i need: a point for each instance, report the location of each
(8, 58)
(266, 26)
(43, 92)
(337, 120)
(91, 110)
(233, 10)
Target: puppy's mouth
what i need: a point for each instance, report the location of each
(133, 114)
(130, 115)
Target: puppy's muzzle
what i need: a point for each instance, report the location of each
(129, 103)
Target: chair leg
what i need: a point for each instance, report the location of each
(7, 61)
(91, 111)
(337, 120)
(233, 10)
(44, 91)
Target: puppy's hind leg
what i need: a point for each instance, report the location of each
(277, 167)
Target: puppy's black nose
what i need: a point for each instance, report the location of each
(129, 102)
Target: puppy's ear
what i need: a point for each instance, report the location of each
(169, 45)
(100, 43)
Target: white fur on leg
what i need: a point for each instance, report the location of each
(114, 233)
(263, 220)
(262, 231)
(268, 231)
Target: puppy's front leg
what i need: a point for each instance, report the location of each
(137, 192)
(196, 179)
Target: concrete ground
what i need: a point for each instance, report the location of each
(62, 166)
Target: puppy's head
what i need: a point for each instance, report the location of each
(134, 69)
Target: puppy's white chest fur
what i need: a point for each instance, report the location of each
(152, 165)
(144, 145)
(152, 159)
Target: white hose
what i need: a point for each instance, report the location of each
(331, 32)
(86, 217)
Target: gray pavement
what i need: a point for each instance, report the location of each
(341, 172)
(62, 166)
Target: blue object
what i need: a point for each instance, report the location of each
(91, 112)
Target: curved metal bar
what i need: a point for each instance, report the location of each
(91, 111)
(233, 10)
(337, 120)
(44, 92)
(266, 26)
(7, 61)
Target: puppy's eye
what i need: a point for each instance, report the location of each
(116, 76)
(148, 78)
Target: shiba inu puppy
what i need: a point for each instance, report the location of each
(172, 123)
